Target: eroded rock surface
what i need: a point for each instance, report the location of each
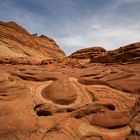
(98, 102)
(67, 99)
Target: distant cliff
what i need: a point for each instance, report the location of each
(128, 53)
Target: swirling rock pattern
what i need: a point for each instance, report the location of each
(57, 101)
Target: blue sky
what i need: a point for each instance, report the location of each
(76, 24)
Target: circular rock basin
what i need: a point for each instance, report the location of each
(60, 92)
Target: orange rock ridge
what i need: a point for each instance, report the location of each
(16, 43)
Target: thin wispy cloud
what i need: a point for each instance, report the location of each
(76, 24)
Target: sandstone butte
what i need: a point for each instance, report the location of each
(93, 94)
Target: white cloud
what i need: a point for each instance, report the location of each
(130, 1)
(106, 27)
(109, 36)
(126, 1)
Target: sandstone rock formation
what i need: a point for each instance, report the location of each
(99, 102)
(67, 99)
(16, 43)
(129, 53)
(88, 53)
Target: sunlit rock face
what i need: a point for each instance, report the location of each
(19, 46)
(68, 99)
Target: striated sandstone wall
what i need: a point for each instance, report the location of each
(16, 42)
